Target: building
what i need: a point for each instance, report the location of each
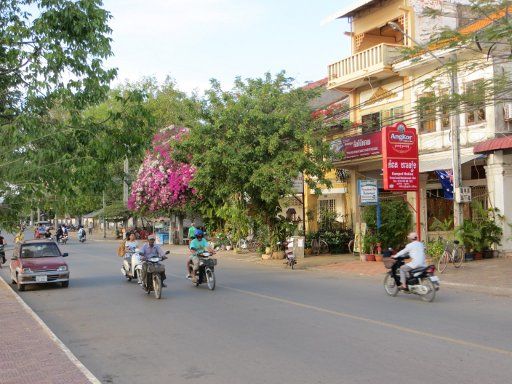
(385, 88)
(332, 106)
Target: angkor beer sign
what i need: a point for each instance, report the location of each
(358, 146)
(400, 158)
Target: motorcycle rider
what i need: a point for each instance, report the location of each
(59, 233)
(416, 251)
(2, 251)
(130, 246)
(197, 246)
(149, 250)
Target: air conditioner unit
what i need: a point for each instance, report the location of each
(507, 111)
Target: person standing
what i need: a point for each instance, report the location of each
(90, 226)
(2, 250)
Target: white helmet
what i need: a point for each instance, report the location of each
(412, 236)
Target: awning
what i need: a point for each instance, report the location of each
(494, 145)
(94, 214)
(444, 163)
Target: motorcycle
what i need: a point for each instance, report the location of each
(82, 237)
(153, 280)
(290, 256)
(2, 254)
(63, 239)
(206, 271)
(132, 266)
(421, 281)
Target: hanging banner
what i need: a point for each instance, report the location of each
(400, 162)
(358, 146)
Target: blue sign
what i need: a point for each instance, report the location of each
(368, 192)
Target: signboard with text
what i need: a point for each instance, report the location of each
(368, 192)
(400, 162)
(358, 146)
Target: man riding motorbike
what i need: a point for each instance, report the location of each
(197, 246)
(150, 249)
(416, 251)
(59, 233)
(2, 250)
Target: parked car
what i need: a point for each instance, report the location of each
(38, 262)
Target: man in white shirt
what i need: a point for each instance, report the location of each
(416, 251)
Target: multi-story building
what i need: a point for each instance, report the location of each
(385, 86)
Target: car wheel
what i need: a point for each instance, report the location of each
(65, 284)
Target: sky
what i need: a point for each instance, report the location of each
(193, 41)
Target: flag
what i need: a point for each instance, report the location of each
(446, 180)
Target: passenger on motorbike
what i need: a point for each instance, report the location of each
(130, 246)
(416, 251)
(150, 249)
(197, 246)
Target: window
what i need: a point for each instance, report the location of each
(392, 116)
(371, 122)
(477, 172)
(474, 98)
(327, 209)
(426, 111)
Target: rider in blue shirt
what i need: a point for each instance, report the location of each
(197, 246)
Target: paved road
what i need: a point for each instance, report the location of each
(267, 325)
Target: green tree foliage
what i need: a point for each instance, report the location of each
(51, 67)
(396, 223)
(251, 143)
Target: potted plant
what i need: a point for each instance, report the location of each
(370, 240)
(467, 234)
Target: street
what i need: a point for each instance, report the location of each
(269, 325)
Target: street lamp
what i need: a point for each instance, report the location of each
(454, 126)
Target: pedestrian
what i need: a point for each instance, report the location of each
(90, 226)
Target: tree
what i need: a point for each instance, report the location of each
(482, 38)
(163, 184)
(252, 142)
(51, 67)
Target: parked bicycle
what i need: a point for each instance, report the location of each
(319, 245)
(453, 253)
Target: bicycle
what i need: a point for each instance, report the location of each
(319, 245)
(453, 253)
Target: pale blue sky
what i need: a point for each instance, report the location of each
(195, 40)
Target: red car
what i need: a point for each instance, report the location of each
(38, 262)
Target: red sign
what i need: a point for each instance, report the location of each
(400, 158)
(358, 146)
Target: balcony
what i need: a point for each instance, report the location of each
(371, 64)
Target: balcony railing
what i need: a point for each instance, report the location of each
(372, 62)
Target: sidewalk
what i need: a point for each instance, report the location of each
(29, 352)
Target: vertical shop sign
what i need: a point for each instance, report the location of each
(400, 162)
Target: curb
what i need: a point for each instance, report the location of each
(88, 374)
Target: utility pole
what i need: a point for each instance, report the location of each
(458, 216)
(104, 221)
